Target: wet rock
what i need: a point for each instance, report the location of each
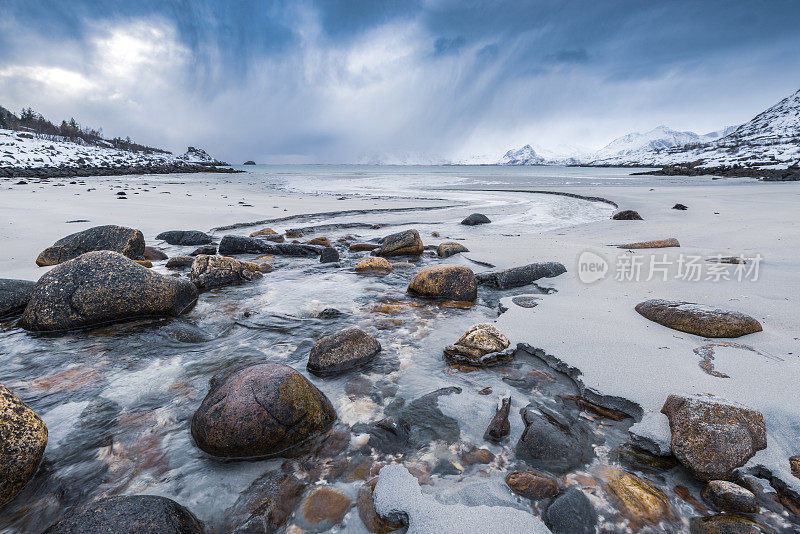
(445, 250)
(363, 247)
(481, 345)
(185, 333)
(325, 508)
(328, 255)
(14, 295)
(474, 455)
(180, 262)
(710, 437)
(726, 524)
(445, 467)
(698, 319)
(217, 271)
(639, 501)
(521, 276)
(794, 465)
(729, 497)
(145, 263)
(321, 241)
(233, 244)
(532, 484)
(23, 437)
(185, 237)
(342, 351)
(206, 250)
(658, 243)
(260, 410)
(101, 287)
(475, 219)
(499, 427)
(556, 442)
(142, 514)
(294, 233)
(367, 513)
(406, 243)
(627, 215)
(644, 460)
(154, 254)
(680, 207)
(264, 231)
(596, 409)
(126, 241)
(454, 282)
(571, 513)
(374, 265)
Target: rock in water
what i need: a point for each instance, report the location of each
(367, 513)
(179, 262)
(397, 494)
(264, 231)
(499, 427)
(658, 243)
(475, 219)
(406, 243)
(142, 514)
(260, 410)
(445, 250)
(726, 524)
(730, 497)
(363, 247)
(374, 266)
(14, 295)
(454, 282)
(101, 287)
(206, 250)
(554, 441)
(521, 276)
(324, 508)
(185, 237)
(571, 513)
(321, 241)
(342, 351)
(266, 504)
(482, 344)
(639, 501)
(712, 437)
(698, 319)
(216, 271)
(127, 241)
(234, 244)
(627, 215)
(531, 484)
(23, 437)
(328, 255)
(154, 254)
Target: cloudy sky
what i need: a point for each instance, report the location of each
(349, 81)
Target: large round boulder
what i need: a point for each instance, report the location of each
(698, 319)
(127, 241)
(23, 437)
(216, 271)
(261, 410)
(14, 295)
(142, 514)
(451, 248)
(406, 243)
(475, 219)
(342, 351)
(101, 287)
(185, 237)
(454, 282)
(729, 497)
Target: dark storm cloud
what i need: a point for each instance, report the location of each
(337, 80)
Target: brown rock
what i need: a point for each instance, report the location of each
(452, 282)
(499, 427)
(261, 410)
(794, 464)
(445, 250)
(216, 271)
(712, 438)
(480, 345)
(144, 263)
(698, 319)
(658, 243)
(375, 265)
(363, 247)
(726, 524)
(367, 513)
(23, 437)
(639, 501)
(127, 241)
(266, 504)
(729, 497)
(474, 455)
(531, 484)
(154, 254)
(180, 262)
(589, 406)
(685, 493)
(264, 231)
(342, 351)
(321, 241)
(406, 243)
(290, 234)
(325, 505)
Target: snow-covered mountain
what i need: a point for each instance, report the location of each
(538, 155)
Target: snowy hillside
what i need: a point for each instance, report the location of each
(538, 155)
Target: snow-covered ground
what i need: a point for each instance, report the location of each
(28, 150)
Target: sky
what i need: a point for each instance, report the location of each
(414, 81)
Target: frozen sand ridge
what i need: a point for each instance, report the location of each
(398, 493)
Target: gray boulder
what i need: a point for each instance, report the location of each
(342, 351)
(126, 241)
(475, 219)
(521, 276)
(14, 295)
(234, 244)
(185, 237)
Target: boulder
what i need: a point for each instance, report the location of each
(374, 265)
(571, 513)
(698, 319)
(266, 504)
(480, 346)
(324, 508)
(329, 255)
(320, 241)
(14, 295)
(532, 484)
(249, 162)
(126, 241)
(185, 237)
(627, 215)
(207, 250)
(454, 282)
(726, 524)
(264, 231)
(475, 219)
(142, 514)
(553, 441)
(406, 243)
(179, 262)
(680, 207)
(154, 254)
(658, 243)
(367, 513)
(499, 427)
(729, 497)
(445, 250)
(521, 276)
(23, 437)
(260, 410)
(217, 271)
(639, 501)
(234, 244)
(102, 287)
(342, 351)
(363, 247)
(711, 437)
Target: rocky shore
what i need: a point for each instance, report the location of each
(88, 170)
(790, 174)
